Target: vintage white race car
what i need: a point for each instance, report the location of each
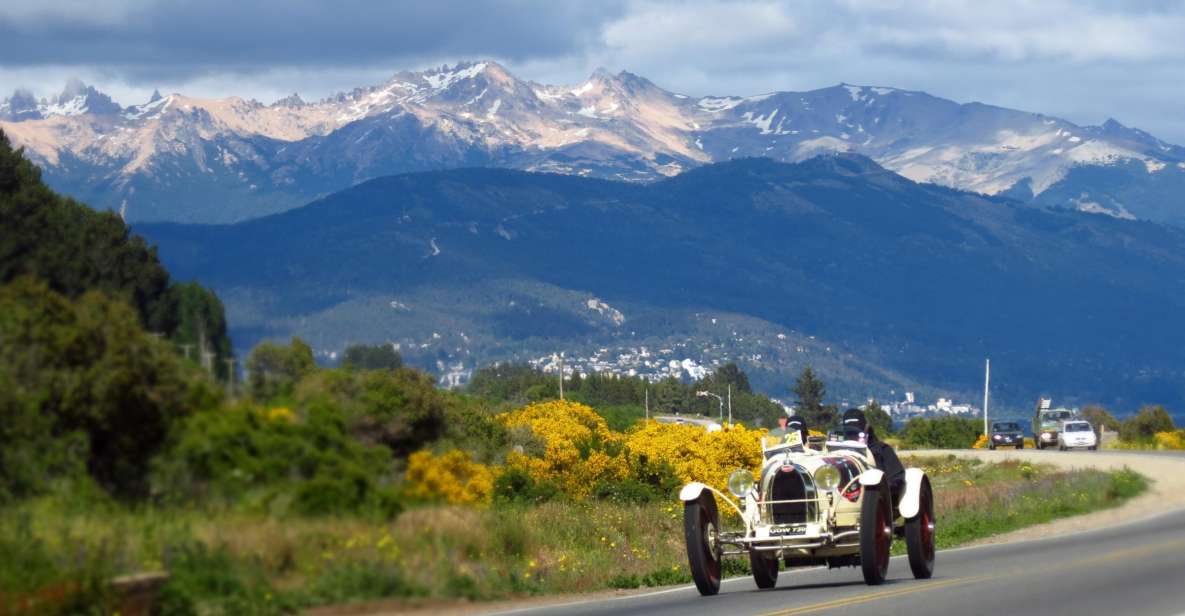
(821, 503)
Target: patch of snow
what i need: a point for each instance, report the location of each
(494, 109)
(588, 112)
(1075, 139)
(435, 247)
(854, 91)
(502, 232)
(1153, 165)
(1181, 165)
(716, 104)
(680, 96)
(839, 118)
(588, 85)
(154, 108)
(699, 144)
(883, 91)
(444, 79)
(398, 305)
(761, 122)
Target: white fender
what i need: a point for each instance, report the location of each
(691, 491)
(911, 501)
(871, 477)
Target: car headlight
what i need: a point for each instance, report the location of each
(997, 437)
(740, 482)
(827, 478)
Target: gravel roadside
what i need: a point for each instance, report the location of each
(1166, 492)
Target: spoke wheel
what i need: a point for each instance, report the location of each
(919, 536)
(701, 524)
(876, 534)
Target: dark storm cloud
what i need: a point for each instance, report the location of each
(149, 41)
(1084, 60)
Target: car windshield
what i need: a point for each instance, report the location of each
(1078, 426)
(1006, 427)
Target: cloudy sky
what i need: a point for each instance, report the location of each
(1085, 61)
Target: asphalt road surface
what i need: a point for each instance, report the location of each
(1126, 568)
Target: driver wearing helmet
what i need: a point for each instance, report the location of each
(856, 428)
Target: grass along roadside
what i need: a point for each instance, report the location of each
(237, 563)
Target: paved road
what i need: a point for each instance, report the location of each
(1134, 568)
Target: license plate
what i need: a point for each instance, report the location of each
(787, 532)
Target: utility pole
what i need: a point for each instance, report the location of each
(987, 375)
(561, 376)
(230, 376)
(730, 405)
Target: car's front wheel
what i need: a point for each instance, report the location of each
(919, 536)
(701, 526)
(765, 569)
(876, 534)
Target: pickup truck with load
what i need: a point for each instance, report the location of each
(1047, 422)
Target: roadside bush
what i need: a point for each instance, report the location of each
(400, 409)
(694, 454)
(515, 485)
(1170, 440)
(82, 385)
(274, 369)
(265, 458)
(371, 357)
(941, 432)
(1143, 426)
(580, 450)
(452, 478)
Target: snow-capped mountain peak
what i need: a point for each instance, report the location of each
(612, 125)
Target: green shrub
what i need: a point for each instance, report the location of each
(1143, 426)
(31, 574)
(626, 491)
(516, 486)
(371, 357)
(207, 580)
(83, 384)
(275, 369)
(401, 409)
(941, 432)
(245, 455)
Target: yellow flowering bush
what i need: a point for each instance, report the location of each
(1170, 440)
(452, 477)
(280, 413)
(580, 449)
(981, 442)
(696, 454)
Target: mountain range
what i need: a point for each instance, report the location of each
(185, 159)
(884, 283)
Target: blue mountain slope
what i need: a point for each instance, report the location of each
(912, 284)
